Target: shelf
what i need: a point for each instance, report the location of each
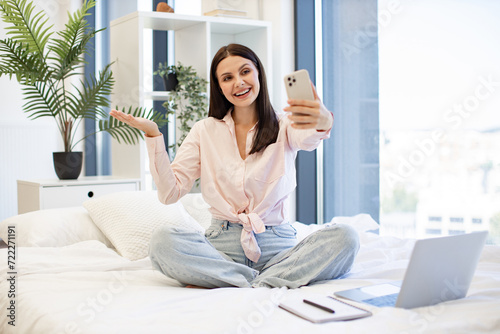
(157, 95)
(160, 95)
(84, 180)
(227, 26)
(172, 21)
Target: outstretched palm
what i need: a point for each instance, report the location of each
(140, 123)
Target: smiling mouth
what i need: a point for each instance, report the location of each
(242, 93)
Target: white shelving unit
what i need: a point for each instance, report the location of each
(197, 39)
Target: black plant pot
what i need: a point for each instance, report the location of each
(68, 165)
(170, 81)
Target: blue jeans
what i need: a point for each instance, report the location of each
(216, 259)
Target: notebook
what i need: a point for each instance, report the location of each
(440, 269)
(320, 308)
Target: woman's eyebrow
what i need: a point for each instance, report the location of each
(226, 73)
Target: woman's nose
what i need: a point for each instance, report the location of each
(239, 82)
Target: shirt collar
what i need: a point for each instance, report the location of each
(228, 119)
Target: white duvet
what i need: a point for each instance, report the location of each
(89, 288)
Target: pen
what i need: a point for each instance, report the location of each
(324, 308)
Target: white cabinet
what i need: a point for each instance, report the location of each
(197, 39)
(49, 194)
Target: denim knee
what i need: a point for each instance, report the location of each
(163, 242)
(165, 248)
(350, 235)
(157, 241)
(345, 234)
(165, 237)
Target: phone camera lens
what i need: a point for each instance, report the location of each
(293, 80)
(290, 84)
(289, 78)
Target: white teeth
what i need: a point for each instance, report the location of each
(243, 93)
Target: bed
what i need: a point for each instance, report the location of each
(85, 270)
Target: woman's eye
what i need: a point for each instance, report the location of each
(245, 71)
(226, 78)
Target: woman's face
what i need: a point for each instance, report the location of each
(239, 80)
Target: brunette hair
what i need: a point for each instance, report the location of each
(267, 126)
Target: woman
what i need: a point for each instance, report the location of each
(244, 154)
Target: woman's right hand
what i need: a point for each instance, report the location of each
(148, 126)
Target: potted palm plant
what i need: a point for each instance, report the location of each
(46, 65)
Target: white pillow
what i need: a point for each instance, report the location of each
(129, 218)
(52, 228)
(196, 206)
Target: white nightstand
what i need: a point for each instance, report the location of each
(48, 194)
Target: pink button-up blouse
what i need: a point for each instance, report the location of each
(251, 192)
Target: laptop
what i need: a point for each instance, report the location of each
(440, 269)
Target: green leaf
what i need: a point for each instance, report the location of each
(125, 133)
(25, 27)
(188, 101)
(93, 96)
(16, 60)
(40, 102)
(72, 42)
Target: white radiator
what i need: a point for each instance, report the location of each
(26, 148)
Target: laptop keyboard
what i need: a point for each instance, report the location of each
(388, 300)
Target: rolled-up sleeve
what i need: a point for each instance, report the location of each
(174, 180)
(300, 139)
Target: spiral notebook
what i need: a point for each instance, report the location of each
(320, 308)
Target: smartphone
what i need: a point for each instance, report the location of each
(298, 85)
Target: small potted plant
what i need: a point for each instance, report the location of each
(167, 73)
(45, 66)
(187, 101)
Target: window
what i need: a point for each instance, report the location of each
(439, 124)
(350, 89)
(477, 221)
(459, 220)
(98, 146)
(342, 59)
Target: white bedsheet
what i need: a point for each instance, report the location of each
(89, 288)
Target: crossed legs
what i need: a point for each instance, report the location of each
(192, 258)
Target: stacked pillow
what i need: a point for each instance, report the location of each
(52, 228)
(123, 220)
(129, 218)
